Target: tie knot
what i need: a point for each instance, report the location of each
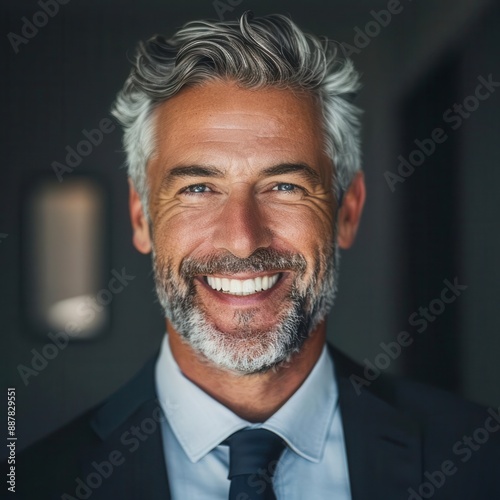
(254, 451)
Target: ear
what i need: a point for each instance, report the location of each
(141, 237)
(350, 211)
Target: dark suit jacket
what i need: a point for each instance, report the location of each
(400, 437)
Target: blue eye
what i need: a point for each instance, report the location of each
(286, 187)
(196, 189)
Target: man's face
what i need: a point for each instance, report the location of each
(243, 217)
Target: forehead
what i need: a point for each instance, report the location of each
(220, 121)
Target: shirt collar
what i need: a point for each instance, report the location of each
(200, 423)
(305, 419)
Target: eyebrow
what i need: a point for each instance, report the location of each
(290, 168)
(193, 171)
(185, 171)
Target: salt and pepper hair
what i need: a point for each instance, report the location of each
(255, 52)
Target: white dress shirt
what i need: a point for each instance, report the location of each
(314, 465)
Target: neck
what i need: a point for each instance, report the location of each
(252, 397)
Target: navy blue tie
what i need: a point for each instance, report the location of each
(253, 457)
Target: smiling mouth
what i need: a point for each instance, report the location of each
(250, 286)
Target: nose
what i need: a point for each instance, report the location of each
(241, 226)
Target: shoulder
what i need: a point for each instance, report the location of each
(422, 401)
(55, 462)
(451, 444)
(449, 425)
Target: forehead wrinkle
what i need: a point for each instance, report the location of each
(252, 121)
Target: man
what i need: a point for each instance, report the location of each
(244, 165)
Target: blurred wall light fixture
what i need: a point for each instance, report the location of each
(65, 257)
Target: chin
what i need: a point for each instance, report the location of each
(245, 350)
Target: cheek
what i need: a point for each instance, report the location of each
(305, 228)
(179, 233)
(310, 232)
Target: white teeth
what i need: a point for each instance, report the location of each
(265, 283)
(249, 286)
(258, 283)
(235, 286)
(243, 287)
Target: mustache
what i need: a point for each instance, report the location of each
(263, 259)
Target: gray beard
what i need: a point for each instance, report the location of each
(248, 350)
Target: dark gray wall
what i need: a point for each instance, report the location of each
(65, 79)
(480, 241)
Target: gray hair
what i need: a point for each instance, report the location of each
(255, 52)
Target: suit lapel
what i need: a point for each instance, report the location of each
(146, 468)
(383, 445)
(129, 426)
